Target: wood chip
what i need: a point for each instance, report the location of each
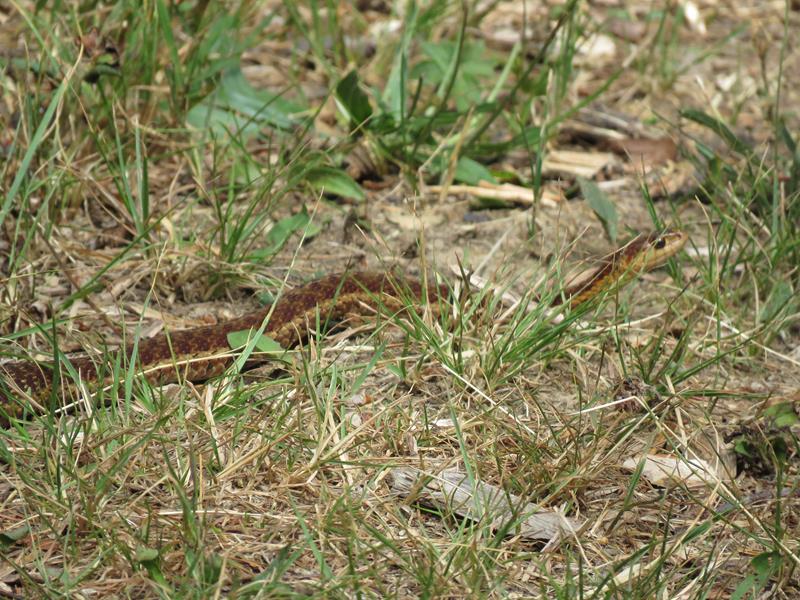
(515, 194)
(572, 164)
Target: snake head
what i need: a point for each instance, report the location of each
(643, 253)
(654, 249)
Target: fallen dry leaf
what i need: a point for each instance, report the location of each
(666, 469)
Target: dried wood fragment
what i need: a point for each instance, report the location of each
(573, 163)
(505, 192)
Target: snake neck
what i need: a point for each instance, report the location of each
(643, 253)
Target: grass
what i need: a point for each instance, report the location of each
(181, 161)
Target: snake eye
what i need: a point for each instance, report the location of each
(660, 243)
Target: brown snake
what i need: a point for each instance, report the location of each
(204, 352)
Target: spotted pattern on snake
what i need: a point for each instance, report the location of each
(204, 352)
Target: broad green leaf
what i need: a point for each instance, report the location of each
(786, 419)
(474, 65)
(284, 228)
(394, 93)
(335, 181)
(765, 565)
(11, 536)
(746, 588)
(149, 558)
(246, 172)
(472, 172)
(353, 100)
(144, 554)
(601, 205)
(240, 339)
(782, 414)
(282, 231)
(530, 137)
(237, 107)
(475, 59)
(743, 447)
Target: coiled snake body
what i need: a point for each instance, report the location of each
(204, 352)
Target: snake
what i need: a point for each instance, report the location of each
(201, 353)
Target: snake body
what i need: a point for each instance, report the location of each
(204, 352)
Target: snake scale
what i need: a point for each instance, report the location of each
(204, 352)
